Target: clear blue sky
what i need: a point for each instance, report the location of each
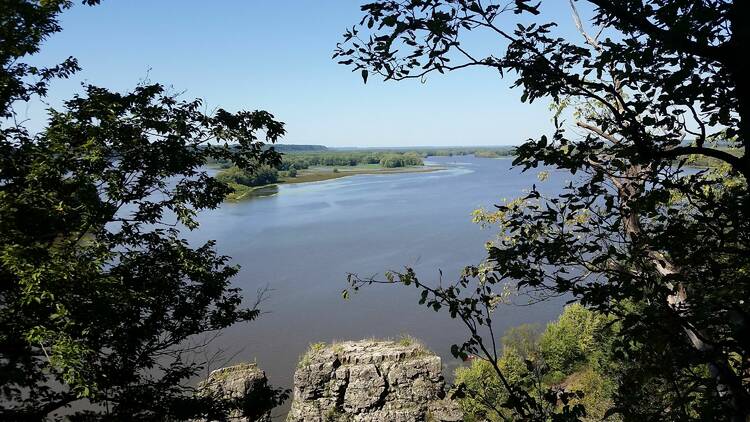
(276, 55)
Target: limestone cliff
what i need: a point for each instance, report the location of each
(240, 384)
(371, 381)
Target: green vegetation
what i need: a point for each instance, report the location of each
(301, 161)
(103, 305)
(488, 154)
(309, 164)
(314, 167)
(660, 252)
(306, 156)
(256, 176)
(101, 299)
(311, 352)
(407, 340)
(291, 148)
(317, 174)
(400, 160)
(702, 161)
(482, 152)
(480, 392)
(302, 166)
(574, 352)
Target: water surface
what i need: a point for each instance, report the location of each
(303, 241)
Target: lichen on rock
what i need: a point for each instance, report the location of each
(371, 381)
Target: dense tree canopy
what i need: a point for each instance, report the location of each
(258, 176)
(573, 351)
(102, 304)
(634, 235)
(387, 159)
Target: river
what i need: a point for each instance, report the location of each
(303, 241)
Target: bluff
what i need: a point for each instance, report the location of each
(243, 384)
(371, 381)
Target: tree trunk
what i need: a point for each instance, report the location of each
(729, 386)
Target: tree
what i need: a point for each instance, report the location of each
(574, 336)
(258, 175)
(532, 360)
(634, 236)
(101, 301)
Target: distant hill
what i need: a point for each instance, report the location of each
(299, 148)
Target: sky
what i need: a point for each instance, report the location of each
(276, 56)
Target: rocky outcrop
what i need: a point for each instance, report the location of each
(240, 384)
(371, 381)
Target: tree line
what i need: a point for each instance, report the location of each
(291, 163)
(349, 159)
(301, 158)
(103, 304)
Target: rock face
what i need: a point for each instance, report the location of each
(371, 381)
(237, 383)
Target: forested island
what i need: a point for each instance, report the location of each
(314, 163)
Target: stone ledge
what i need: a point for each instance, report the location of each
(369, 381)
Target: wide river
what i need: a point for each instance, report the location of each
(302, 242)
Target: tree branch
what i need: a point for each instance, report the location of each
(728, 158)
(669, 38)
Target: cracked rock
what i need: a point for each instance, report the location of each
(371, 381)
(237, 383)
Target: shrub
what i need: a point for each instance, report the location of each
(570, 353)
(485, 393)
(566, 343)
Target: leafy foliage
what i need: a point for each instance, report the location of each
(531, 359)
(400, 160)
(101, 301)
(258, 176)
(662, 250)
(575, 335)
(485, 394)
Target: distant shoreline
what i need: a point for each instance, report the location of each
(321, 174)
